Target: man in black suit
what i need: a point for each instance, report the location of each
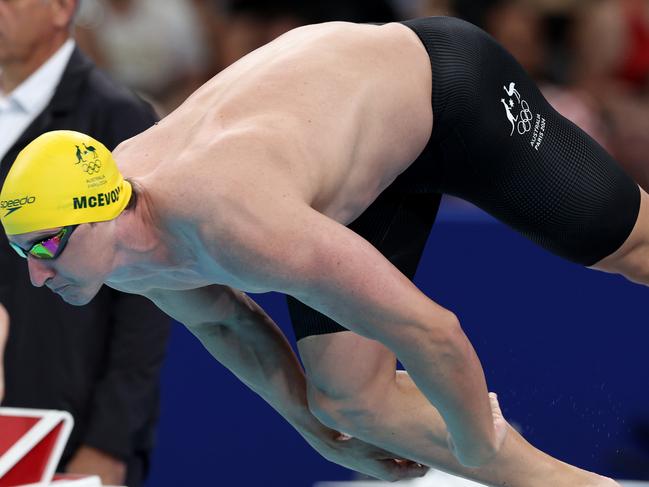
(101, 362)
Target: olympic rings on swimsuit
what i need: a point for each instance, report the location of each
(525, 122)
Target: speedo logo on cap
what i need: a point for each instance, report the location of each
(102, 199)
(17, 204)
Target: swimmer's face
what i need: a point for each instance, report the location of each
(78, 270)
(27, 28)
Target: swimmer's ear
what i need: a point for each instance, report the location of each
(132, 202)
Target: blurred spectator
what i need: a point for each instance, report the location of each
(4, 331)
(518, 27)
(156, 49)
(429, 8)
(100, 362)
(213, 28)
(473, 11)
(253, 23)
(618, 60)
(612, 65)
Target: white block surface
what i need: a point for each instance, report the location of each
(436, 478)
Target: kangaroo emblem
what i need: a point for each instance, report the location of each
(513, 91)
(79, 155)
(512, 119)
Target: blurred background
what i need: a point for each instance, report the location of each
(565, 348)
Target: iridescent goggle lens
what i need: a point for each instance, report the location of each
(50, 248)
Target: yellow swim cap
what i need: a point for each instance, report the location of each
(62, 178)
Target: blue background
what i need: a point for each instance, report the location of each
(563, 346)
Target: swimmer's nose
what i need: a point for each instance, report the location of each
(39, 271)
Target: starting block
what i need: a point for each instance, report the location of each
(31, 445)
(438, 479)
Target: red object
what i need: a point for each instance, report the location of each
(13, 428)
(32, 467)
(31, 444)
(635, 64)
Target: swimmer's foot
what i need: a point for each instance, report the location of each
(569, 476)
(593, 480)
(604, 482)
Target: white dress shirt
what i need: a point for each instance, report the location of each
(19, 108)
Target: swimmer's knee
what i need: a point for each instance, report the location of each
(348, 403)
(349, 400)
(637, 266)
(345, 375)
(632, 263)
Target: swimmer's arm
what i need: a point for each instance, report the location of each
(332, 269)
(240, 335)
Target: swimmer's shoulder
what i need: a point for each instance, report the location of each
(240, 233)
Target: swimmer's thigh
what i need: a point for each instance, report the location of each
(504, 148)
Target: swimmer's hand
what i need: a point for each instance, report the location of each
(501, 428)
(368, 459)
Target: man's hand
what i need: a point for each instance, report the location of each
(4, 333)
(90, 461)
(501, 427)
(368, 459)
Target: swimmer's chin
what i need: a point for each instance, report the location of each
(75, 299)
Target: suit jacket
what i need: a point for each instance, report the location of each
(101, 362)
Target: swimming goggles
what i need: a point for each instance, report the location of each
(49, 248)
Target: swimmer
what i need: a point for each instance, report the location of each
(313, 167)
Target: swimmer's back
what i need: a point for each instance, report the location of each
(327, 114)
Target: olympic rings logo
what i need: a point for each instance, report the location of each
(525, 119)
(92, 167)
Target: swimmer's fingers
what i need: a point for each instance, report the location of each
(393, 470)
(396, 469)
(495, 406)
(501, 425)
(371, 460)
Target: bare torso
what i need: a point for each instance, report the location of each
(325, 116)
